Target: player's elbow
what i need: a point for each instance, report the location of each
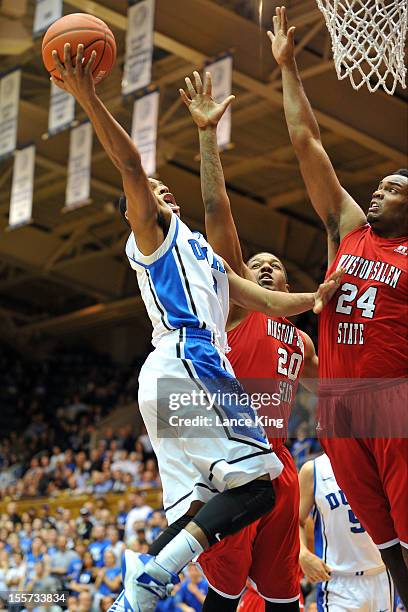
(131, 165)
(304, 139)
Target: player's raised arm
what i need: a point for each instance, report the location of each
(142, 206)
(337, 209)
(219, 222)
(312, 566)
(251, 296)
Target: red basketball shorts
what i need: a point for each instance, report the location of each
(266, 552)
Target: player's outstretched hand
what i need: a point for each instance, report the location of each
(314, 569)
(206, 112)
(77, 80)
(326, 290)
(282, 38)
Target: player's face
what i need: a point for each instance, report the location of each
(164, 196)
(388, 212)
(269, 272)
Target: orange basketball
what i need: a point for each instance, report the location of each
(80, 28)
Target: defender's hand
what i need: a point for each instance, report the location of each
(77, 80)
(205, 111)
(326, 290)
(282, 38)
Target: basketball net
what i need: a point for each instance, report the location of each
(368, 40)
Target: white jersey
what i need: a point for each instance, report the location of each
(340, 539)
(183, 283)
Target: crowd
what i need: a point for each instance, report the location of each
(50, 411)
(44, 552)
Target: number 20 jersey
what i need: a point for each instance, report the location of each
(363, 331)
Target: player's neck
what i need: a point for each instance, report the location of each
(390, 234)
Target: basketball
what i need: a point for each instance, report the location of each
(80, 28)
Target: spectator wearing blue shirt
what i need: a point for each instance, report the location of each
(304, 447)
(108, 580)
(85, 579)
(192, 592)
(98, 546)
(34, 556)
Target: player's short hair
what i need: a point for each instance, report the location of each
(402, 172)
(122, 205)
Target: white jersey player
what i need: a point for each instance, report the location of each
(347, 564)
(216, 478)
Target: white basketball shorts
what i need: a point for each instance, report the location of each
(344, 593)
(226, 448)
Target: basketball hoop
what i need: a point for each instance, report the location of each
(368, 40)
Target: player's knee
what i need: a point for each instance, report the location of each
(231, 510)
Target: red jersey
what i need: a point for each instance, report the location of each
(273, 349)
(363, 331)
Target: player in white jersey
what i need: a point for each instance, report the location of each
(221, 476)
(347, 564)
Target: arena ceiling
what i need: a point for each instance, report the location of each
(66, 271)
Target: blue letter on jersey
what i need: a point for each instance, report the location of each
(197, 249)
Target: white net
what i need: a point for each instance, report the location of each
(368, 41)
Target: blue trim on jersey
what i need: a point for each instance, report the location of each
(173, 242)
(318, 534)
(320, 598)
(207, 364)
(166, 279)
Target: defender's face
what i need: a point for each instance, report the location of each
(269, 272)
(388, 210)
(164, 196)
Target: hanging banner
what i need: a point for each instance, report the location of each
(46, 12)
(144, 129)
(79, 166)
(62, 110)
(9, 103)
(221, 74)
(21, 203)
(139, 47)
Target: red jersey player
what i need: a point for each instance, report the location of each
(262, 348)
(363, 332)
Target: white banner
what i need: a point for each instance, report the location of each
(21, 203)
(46, 12)
(139, 47)
(62, 110)
(79, 166)
(221, 73)
(9, 103)
(144, 129)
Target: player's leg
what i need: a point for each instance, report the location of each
(357, 473)
(275, 558)
(214, 602)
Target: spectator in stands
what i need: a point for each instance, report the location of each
(84, 603)
(106, 603)
(139, 512)
(61, 559)
(15, 575)
(108, 578)
(115, 544)
(305, 446)
(42, 581)
(99, 544)
(192, 592)
(84, 579)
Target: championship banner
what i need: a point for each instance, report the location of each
(21, 203)
(139, 47)
(62, 110)
(79, 166)
(221, 74)
(144, 129)
(9, 103)
(46, 12)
